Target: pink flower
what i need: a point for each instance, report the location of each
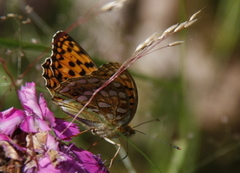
(29, 146)
(37, 115)
(10, 120)
(65, 130)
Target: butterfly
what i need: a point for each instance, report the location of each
(71, 77)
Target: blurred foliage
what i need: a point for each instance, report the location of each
(23, 47)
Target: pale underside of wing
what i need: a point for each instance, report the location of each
(115, 104)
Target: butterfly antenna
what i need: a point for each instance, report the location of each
(174, 146)
(157, 119)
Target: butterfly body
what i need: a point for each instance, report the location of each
(72, 77)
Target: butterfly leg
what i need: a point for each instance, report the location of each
(115, 155)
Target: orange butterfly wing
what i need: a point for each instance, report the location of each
(71, 77)
(68, 60)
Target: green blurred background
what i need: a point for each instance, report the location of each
(193, 88)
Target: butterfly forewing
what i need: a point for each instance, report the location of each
(68, 60)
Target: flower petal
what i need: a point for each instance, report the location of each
(10, 120)
(65, 130)
(33, 124)
(28, 98)
(91, 162)
(47, 114)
